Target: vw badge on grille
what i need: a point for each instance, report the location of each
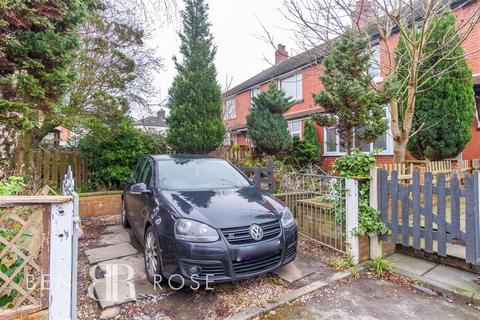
(256, 232)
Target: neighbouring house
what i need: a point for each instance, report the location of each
(153, 124)
(299, 75)
(58, 138)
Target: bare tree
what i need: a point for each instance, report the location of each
(319, 22)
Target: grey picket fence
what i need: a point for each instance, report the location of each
(429, 216)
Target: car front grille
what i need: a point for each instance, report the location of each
(255, 266)
(290, 253)
(212, 269)
(241, 235)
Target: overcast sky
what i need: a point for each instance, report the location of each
(236, 30)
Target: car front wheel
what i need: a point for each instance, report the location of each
(152, 257)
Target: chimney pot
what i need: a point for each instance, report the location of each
(281, 54)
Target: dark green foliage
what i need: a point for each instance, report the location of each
(351, 104)
(358, 164)
(303, 153)
(310, 135)
(38, 40)
(445, 106)
(266, 126)
(195, 119)
(113, 151)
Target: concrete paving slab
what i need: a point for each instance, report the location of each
(110, 252)
(132, 266)
(113, 293)
(296, 270)
(116, 228)
(457, 278)
(410, 264)
(113, 238)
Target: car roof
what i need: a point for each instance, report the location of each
(162, 157)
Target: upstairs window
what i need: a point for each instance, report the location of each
(295, 127)
(230, 109)
(374, 65)
(254, 92)
(292, 86)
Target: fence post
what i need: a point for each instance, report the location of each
(271, 175)
(351, 186)
(60, 282)
(375, 242)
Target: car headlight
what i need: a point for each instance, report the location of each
(287, 218)
(190, 230)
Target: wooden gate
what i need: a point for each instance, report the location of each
(432, 213)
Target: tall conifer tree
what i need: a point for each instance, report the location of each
(195, 119)
(445, 106)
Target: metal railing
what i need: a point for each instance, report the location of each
(318, 203)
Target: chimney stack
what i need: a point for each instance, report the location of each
(161, 114)
(362, 13)
(281, 54)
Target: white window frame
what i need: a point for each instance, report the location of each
(255, 92)
(230, 109)
(337, 152)
(295, 133)
(375, 63)
(297, 80)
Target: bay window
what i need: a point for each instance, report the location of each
(383, 144)
(295, 128)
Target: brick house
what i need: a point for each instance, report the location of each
(299, 75)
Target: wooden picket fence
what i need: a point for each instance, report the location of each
(448, 167)
(432, 216)
(236, 154)
(47, 167)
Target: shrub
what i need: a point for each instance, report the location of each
(310, 135)
(302, 153)
(11, 185)
(358, 164)
(266, 126)
(112, 152)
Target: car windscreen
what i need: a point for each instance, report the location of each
(198, 174)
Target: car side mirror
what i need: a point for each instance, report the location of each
(139, 188)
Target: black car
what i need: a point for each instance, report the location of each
(200, 217)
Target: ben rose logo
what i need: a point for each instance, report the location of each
(117, 278)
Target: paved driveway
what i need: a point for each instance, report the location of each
(371, 298)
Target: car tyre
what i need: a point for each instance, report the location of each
(125, 222)
(153, 265)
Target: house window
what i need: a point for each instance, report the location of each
(374, 65)
(384, 142)
(294, 127)
(230, 109)
(254, 92)
(292, 86)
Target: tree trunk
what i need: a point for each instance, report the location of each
(399, 148)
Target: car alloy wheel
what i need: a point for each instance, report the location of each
(151, 255)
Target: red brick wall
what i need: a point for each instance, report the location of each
(311, 84)
(100, 203)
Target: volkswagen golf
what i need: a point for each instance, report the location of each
(200, 218)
